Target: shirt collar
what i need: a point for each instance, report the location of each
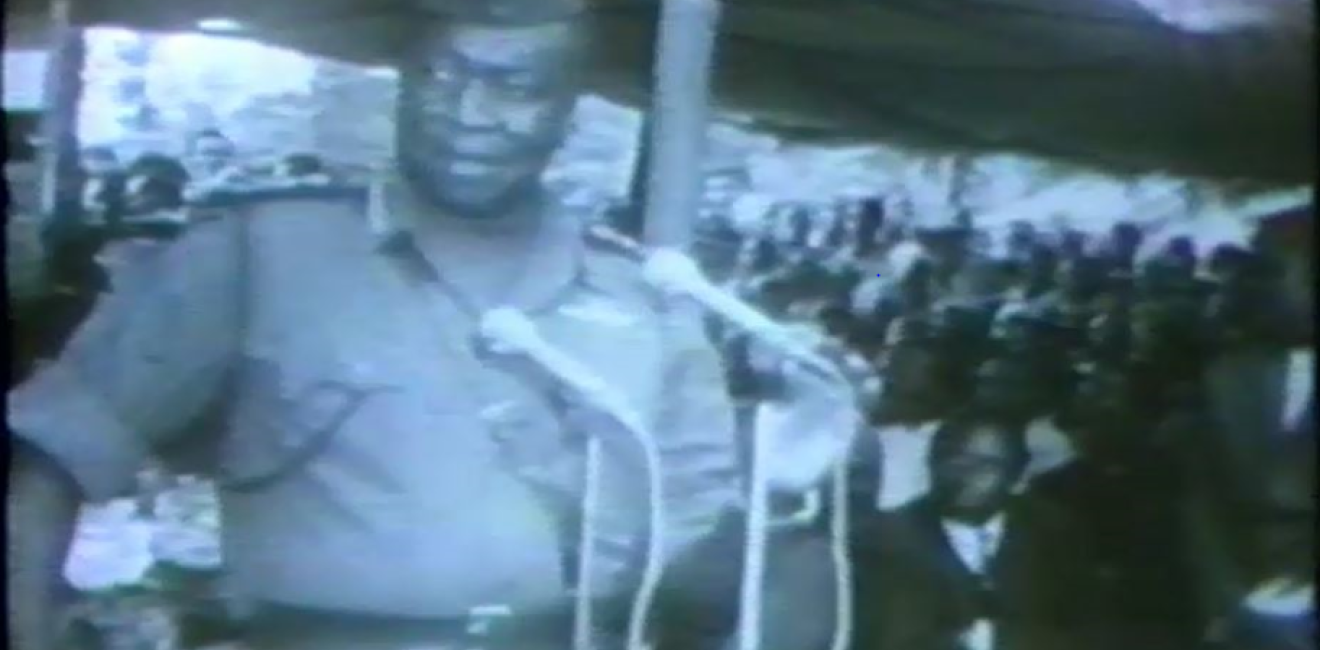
(393, 212)
(993, 528)
(554, 265)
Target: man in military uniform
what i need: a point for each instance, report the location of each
(383, 485)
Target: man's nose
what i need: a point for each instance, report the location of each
(475, 105)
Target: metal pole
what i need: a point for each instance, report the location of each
(63, 91)
(679, 113)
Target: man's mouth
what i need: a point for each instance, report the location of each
(466, 166)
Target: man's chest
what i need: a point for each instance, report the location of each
(354, 314)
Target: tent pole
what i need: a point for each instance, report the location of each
(63, 91)
(641, 164)
(679, 112)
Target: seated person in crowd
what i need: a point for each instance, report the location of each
(948, 247)
(961, 335)
(210, 153)
(1124, 241)
(1072, 244)
(303, 168)
(1109, 334)
(888, 462)
(102, 186)
(1181, 252)
(1041, 270)
(1258, 421)
(1124, 490)
(1226, 261)
(870, 221)
(1069, 307)
(911, 292)
(159, 166)
(971, 566)
(1012, 389)
(1278, 612)
(1022, 238)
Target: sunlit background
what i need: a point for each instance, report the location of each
(146, 92)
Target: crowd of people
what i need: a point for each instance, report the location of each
(1083, 402)
(1046, 463)
(125, 210)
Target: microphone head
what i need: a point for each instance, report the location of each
(671, 270)
(509, 328)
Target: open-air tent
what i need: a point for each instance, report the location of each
(1205, 88)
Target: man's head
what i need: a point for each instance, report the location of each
(147, 194)
(1081, 277)
(1022, 236)
(1072, 243)
(211, 149)
(1103, 407)
(1125, 239)
(974, 464)
(155, 182)
(1008, 386)
(99, 162)
(1285, 242)
(485, 100)
(911, 371)
(870, 219)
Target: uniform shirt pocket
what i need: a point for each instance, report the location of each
(283, 419)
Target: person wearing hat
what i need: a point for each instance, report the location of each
(384, 484)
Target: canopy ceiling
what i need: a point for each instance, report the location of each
(1129, 86)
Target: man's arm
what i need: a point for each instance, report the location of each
(41, 515)
(135, 372)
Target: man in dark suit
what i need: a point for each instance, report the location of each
(1126, 497)
(970, 566)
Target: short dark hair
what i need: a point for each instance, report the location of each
(209, 133)
(158, 165)
(204, 134)
(164, 190)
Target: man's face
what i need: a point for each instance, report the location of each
(483, 108)
(1007, 387)
(975, 479)
(910, 374)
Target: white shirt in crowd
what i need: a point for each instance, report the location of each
(1280, 597)
(904, 474)
(977, 546)
(1299, 386)
(1049, 449)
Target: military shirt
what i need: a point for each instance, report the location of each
(372, 460)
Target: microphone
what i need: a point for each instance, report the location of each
(673, 272)
(508, 330)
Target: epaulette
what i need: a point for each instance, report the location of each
(230, 197)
